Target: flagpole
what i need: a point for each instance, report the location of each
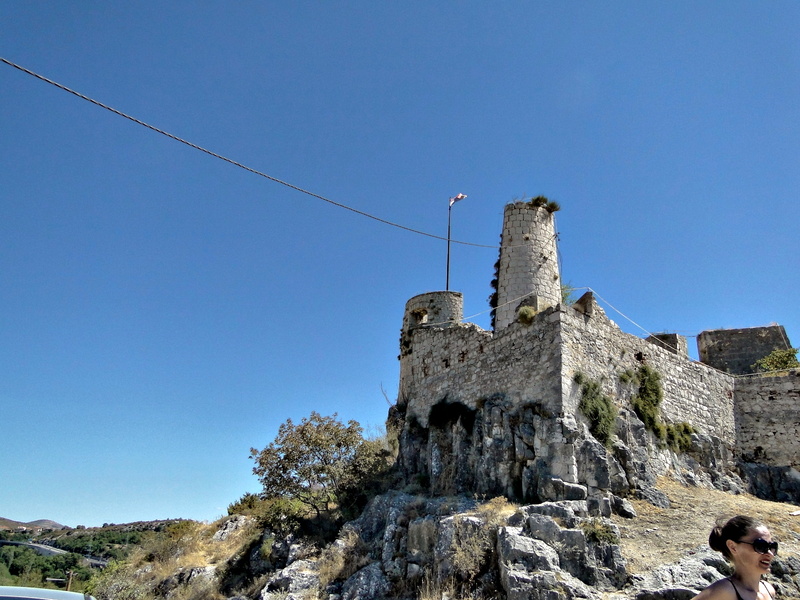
(449, 212)
(453, 200)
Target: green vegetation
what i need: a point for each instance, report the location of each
(568, 294)
(526, 314)
(322, 464)
(20, 565)
(598, 408)
(647, 400)
(550, 206)
(679, 436)
(494, 283)
(598, 532)
(647, 403)
(110, 543)
(777, 360)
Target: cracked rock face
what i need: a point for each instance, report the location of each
(548, 551)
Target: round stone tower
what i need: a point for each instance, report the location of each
(528, 272)
(425, 311)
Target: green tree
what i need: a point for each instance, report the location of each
(320, 462)
(777, 360)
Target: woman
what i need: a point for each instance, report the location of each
(747, 543)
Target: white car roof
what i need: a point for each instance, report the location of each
(18, 593)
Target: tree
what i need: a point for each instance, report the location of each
(777, 360)
(320, 462)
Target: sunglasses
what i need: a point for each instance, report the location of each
(762, 546)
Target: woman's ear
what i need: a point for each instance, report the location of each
(731, 546)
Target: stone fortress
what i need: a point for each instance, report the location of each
(500, 412)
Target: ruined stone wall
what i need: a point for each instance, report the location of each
(768, 419)
(594, 346)
(736, 350)
(466, 364)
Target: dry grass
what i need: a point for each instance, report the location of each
(496, 511)
(664, 535)
(340, 561)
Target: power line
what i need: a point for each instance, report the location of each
(236, 163)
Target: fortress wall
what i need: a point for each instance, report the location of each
(467, 364)
(768, 419)
(595, 346)
(736, 350)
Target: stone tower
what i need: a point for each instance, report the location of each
(431, 310)
(528, 272)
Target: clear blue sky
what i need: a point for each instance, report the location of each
(162, 311)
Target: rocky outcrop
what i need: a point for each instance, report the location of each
(528, 455)
(561, 549)
(455, 547)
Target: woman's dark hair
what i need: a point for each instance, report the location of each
(734, 529)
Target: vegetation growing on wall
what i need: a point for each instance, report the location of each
(550, 206)
(598, 409)
(777, 360)
(568, 294)
(526, 314)
(647, 402)
(494, 284)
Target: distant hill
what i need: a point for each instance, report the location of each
(43, 523)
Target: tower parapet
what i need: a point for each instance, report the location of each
(528, 271)
(434, 309)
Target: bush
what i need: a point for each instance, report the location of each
(526, 314)
(598, 409)
(323, 464)
(647, 403)
(679, 436)
(343, 558)
(598, 532)
(777, 360)
(648, 399)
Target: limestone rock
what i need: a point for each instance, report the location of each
(231, 526)
(368, 583)
(294, 582)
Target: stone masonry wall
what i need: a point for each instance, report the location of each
(693, 392)
(528, 261)
(768, 419)
(466, 364)
(736, 350)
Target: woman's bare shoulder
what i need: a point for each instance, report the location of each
(719, 590)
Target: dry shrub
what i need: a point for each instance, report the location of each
(431, 589)
(343, 558)
(496, 511)
(472, 546)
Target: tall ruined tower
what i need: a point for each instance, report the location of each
(528, 272)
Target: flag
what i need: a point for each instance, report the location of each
(456, 198)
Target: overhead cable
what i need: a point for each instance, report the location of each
(236, 163)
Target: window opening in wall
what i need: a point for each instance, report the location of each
(420, 317)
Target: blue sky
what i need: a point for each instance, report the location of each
(162, 311)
